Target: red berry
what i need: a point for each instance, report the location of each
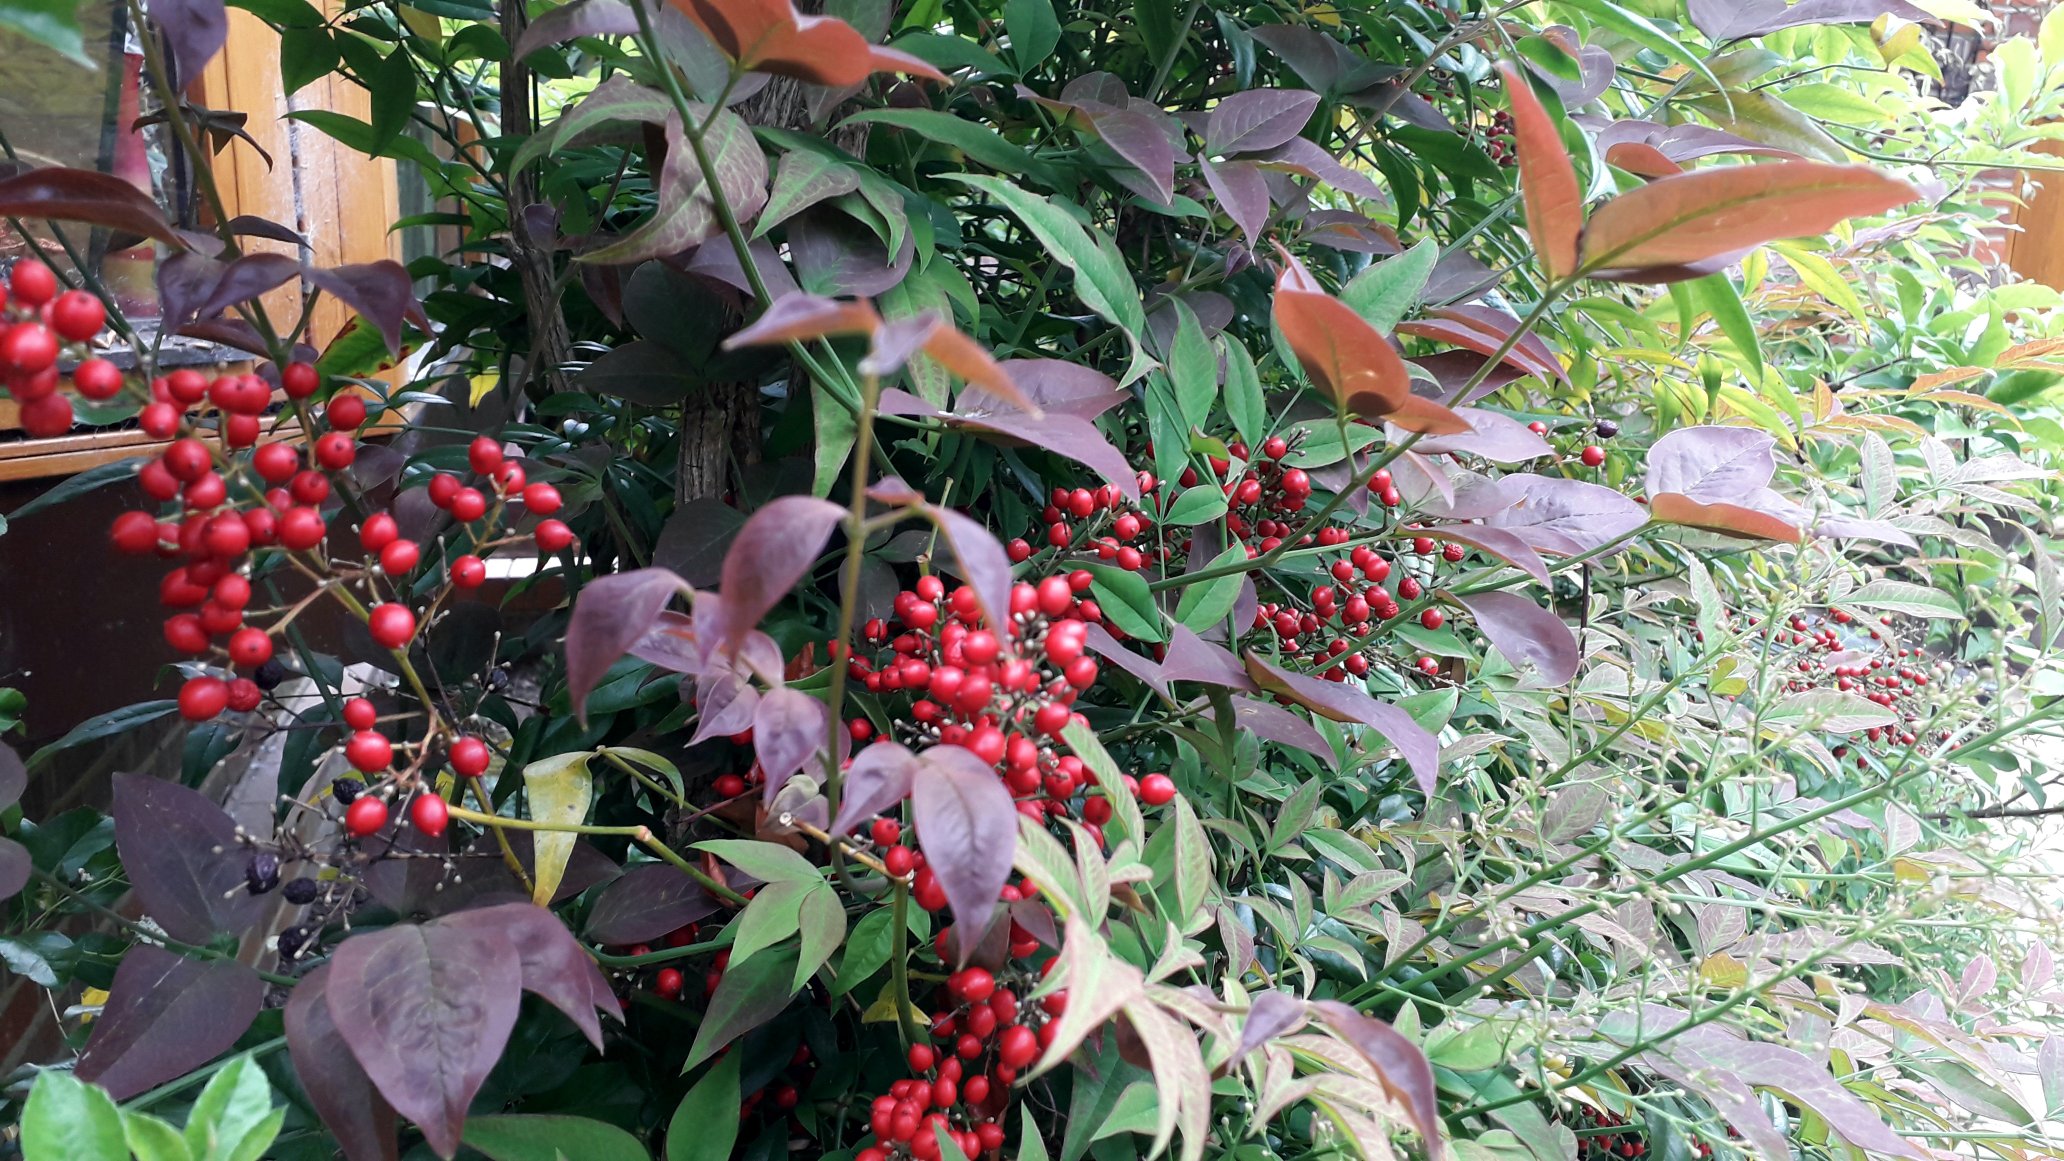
(208, 491)
(250, 648)
(552, 536)
(185, 634)
(468, 505)
(368, 751)
(469, 572)
(366, 816)
(336, 450)
(1017, 1047)
(1432, 618)
(187, 386)
(886, 832)
(186, 459)
(32, 282)
(1157, 790)
(430, 815)
(443, 486)
(345, 412)
(668, 983)
(244, 695)
(729, 786)
(202, 698)
(391, 625)
(484, 454)
(134, 533)
(309, 487)
(77, 315)
(1593, 455)
(399, 558)
(300, 528)
(541, 499)
(359, 714)
(159, 420)
(469, 757)
(974, 984)
(922, 1057)
(299, 380)
(899, 861)
(97, 378)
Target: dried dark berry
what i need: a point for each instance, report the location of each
(292, 940)
(261, 874)
(347, 789)
(1606, 428)
(300, 892)
(271, 674)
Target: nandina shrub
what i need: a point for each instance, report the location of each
(1138, 581)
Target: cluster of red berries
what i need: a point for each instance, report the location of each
(37, 323)
(1607, 1137)
(1107, 523)
(1835, 653)
(1500, 140)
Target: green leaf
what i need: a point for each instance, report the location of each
(1192, 368)
(978, 141)
(54, 24)
(749, 995)
(773, 915)
(1244, 402)
(836, 429)
(1125, 808)
(1031, 1147)
(1206, 603)
(119, 471)
(768, 862)
(107, 725)
(1386, 292)
(949, 1149)
(867, 950)
(67, 1119)
(233, 1108)
(1901, 597)
(1196, 506)
(558, 789)
(393, 87)
(154, 1140)
(1102, 280)
(550, 1138)
(305, 54)
(1126, 601)
(1644, 32)
(360, 137)
(1033, 29)
(1192, 861)
(823, 924)
(1716, 295)
(705, 1126)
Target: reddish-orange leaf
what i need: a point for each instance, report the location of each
(1423, 415)
(770, 36)
(1547, 181)
(796, 317)
(1731, 519)
(1639, 157)
(1344, 356)
(1705, 213)
(964, 357)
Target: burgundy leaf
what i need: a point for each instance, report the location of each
(1269, 1015)
(967, 827)
(834, 254)
(1063, 434)
(1498, 542)
(586, 866)
(184, 281)
(981, 562)
(182, 857)
(806, 316)
(81, 195)
(253, 226)
(555, 967)
(15, 866)
(1241, 192)
(1271, 722)
(582, 18)
(245, 279)
(878, 779)
(773, 551)
(1452, 370)
(788, 727)
(1400, 1066)
(1257, 119)
(1055, 385)
(1135, 138)
(1725, 20)
(1717, 478)
(1192, 658)
(406, 885)
(165, 1016)
(720, 263)
(611, 614)
(195, 30)
(1526, 634)
(426, 1010)
(1344, 703)
(14, 777)
(1483, 329)
(1110, 649)
(350, 1107)
(726, 702)
(648, 902)
(1498, 438)
(1307, 159)
(1567, 517)
(379, 291)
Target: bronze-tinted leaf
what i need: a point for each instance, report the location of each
(967, 826)
(344, 1097)
(183, 859)
(246, 279)
(878, 779)
(1717, 478)
(1343, 702)
(1547, 181)
(1484, 330)
(82, 195)
(647, 902)
(381, 292)
(800, 316)
(611, 614)
(1705, 213)
(426, 1009)
(1269, 1015)
(555, 966)
(1526, 634)
(1342, 355)
(1493, 435)
(1565, 517)
(165, 1016)
(773, 551)
(771, 36)
(1399, 1065)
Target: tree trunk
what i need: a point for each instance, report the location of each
(550, 343)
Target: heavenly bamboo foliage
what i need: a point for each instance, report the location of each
(1276, 594)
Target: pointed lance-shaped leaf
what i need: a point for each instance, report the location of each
(981, 561)
(1399, 1064)
(165, 1016)
(1485, 331)
(1345, 357)
(967, 826)
(1525, 633)
(1547, 181)
(612, 614)
(795, 317)
(555, 966)
(771, 36)
(1344, 703)
(1717, 478)
(879, 778)
(771, 553)
(83, 195)
(344, 1097)
(1256, 119)
(789, 726)
(1690, 217)
(182, 856)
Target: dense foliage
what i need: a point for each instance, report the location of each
(1253, 581)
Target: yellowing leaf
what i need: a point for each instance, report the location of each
(558, 790)
(482, 385)
(1935, 379)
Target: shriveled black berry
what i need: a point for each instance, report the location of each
(347, 789)
(291, 941)
(269, 675)
(261, 874)
(1606, 428)
(300, 892)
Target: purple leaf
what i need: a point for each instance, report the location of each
(726, 702)
(981, 562)
(426, 1010)
(167, 1015)
(195, 30)
(967, 827)
(245, 279)
(1271, 722)
(253, 226)
(1307, 159)
(1055, 385)
(1142, 144)
(184, 281)
(1725, 20)
(379, 291)
(788, 727)
(611, 614)
(350, 1108)
(878, 779)
(182, 857)
(1192, 658)
(15, 865)
(1241, 192)
(1498, 542)
(1269, 1015)
(773, 551)
(671, 644)
(1567, 517)
(1063, 434)
(1344, 703)
(1451, 370)
(402, 884)
(1483, 329)
(805, 316)
(583, 18)
(81, 195)
(1324, 63)
(1526, 634)
(1110, 649)
(1257, 119)
(1716, 478)
(1400, 1066)
(721, 264)
(555, 967)
(896, 343)
(1498, 438)
(648, 902)
(14, 777)
(836, 255)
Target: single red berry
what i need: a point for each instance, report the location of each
(186, 459)
(668, 983)
(508, 478)
(391, 625)
(244, 695)
(345, 412)
(729, 786)
(231, 592)
(886, 832)
(1157, 790)
(469, 572)
(299, 380)
(77, 315)
(443, 486)
(1432, 618)
(185, 634)
(429, 814)
(207, 491)
(974, 984)
(399, 558)
(369, 751)
(365, 816)
(469, 757)
(250, 648)
(542, 499)
(187, 386)
(97, 378)
(134, 533)
(240, 430)
(1017, 1047)
(900, 861)
(552, 536)
(276, 463)
(309, 487)
(202, 698)
(159, 420)
(484, 454)
(300, 528)
(336, 451)
(922, 1057)
(1538, 428)
(468, 505)
(360, 714)
(32, 282)
(1592, 455)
